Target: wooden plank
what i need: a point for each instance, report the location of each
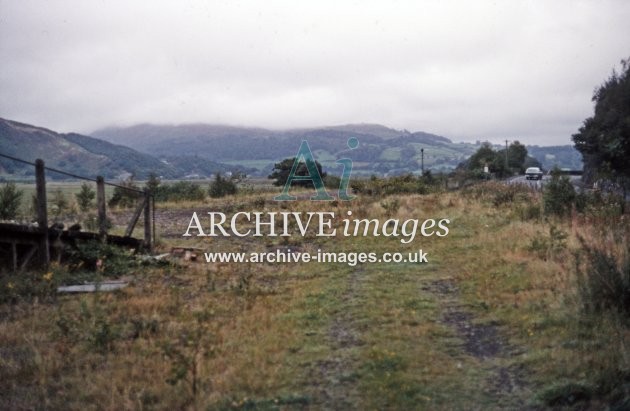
(134, 219)
(27, 258)
(92, 287)
(147, 221)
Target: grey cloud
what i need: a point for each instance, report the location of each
(474, 70)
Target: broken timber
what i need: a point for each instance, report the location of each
(26, 241)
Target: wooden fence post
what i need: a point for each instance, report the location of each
(147, 220)
(42, 212)
(100, 204)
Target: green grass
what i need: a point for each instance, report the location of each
(316, 336)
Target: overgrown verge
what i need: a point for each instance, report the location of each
(87, 261)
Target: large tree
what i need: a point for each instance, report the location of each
(517, 153)
(604, 138)
(485, 155)
(495, 160)
(280, 172)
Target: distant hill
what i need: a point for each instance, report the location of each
(200, 150)
(381, 150)
(88, 156)
(561, 156)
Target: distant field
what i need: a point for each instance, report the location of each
(68, 189)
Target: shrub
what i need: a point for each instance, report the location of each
(558, 195)
(600, 205)
(405, 184)
(17, 287)
(332, 182)
(179, 191)
(221, 187)
(85, 197)
(126, 194)
(110, 260)
(194, 343)
(88, 325)
(10, 199)
(60, 203)
(603, 278)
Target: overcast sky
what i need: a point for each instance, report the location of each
(466, 70)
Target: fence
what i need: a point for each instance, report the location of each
(37, 238)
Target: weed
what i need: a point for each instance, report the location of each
(32, 285)
(109, 260)
(10, 200)
(391, 207)
(90, 325)
(194, 343)
(548, 246)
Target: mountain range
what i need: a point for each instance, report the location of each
(381, 150)
(89, 156)
(200, 150)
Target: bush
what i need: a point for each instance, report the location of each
(600, 205)
(17, 287)
(179, 191)
(559, 195)
(126, 195)
(85, 197)
(603, 279)
(60, 203)
(221, 187)
(110, 260)
(10, 199)
(88, 325)
(405, 184)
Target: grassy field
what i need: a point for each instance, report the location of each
(494, 320)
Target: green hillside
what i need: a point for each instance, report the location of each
(88, 156)
(381, 150)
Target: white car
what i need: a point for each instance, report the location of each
(533, 173)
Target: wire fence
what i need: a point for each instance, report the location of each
(41, 200)
(65, 173)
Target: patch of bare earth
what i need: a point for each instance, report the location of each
(334, 379)
(505, 384)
